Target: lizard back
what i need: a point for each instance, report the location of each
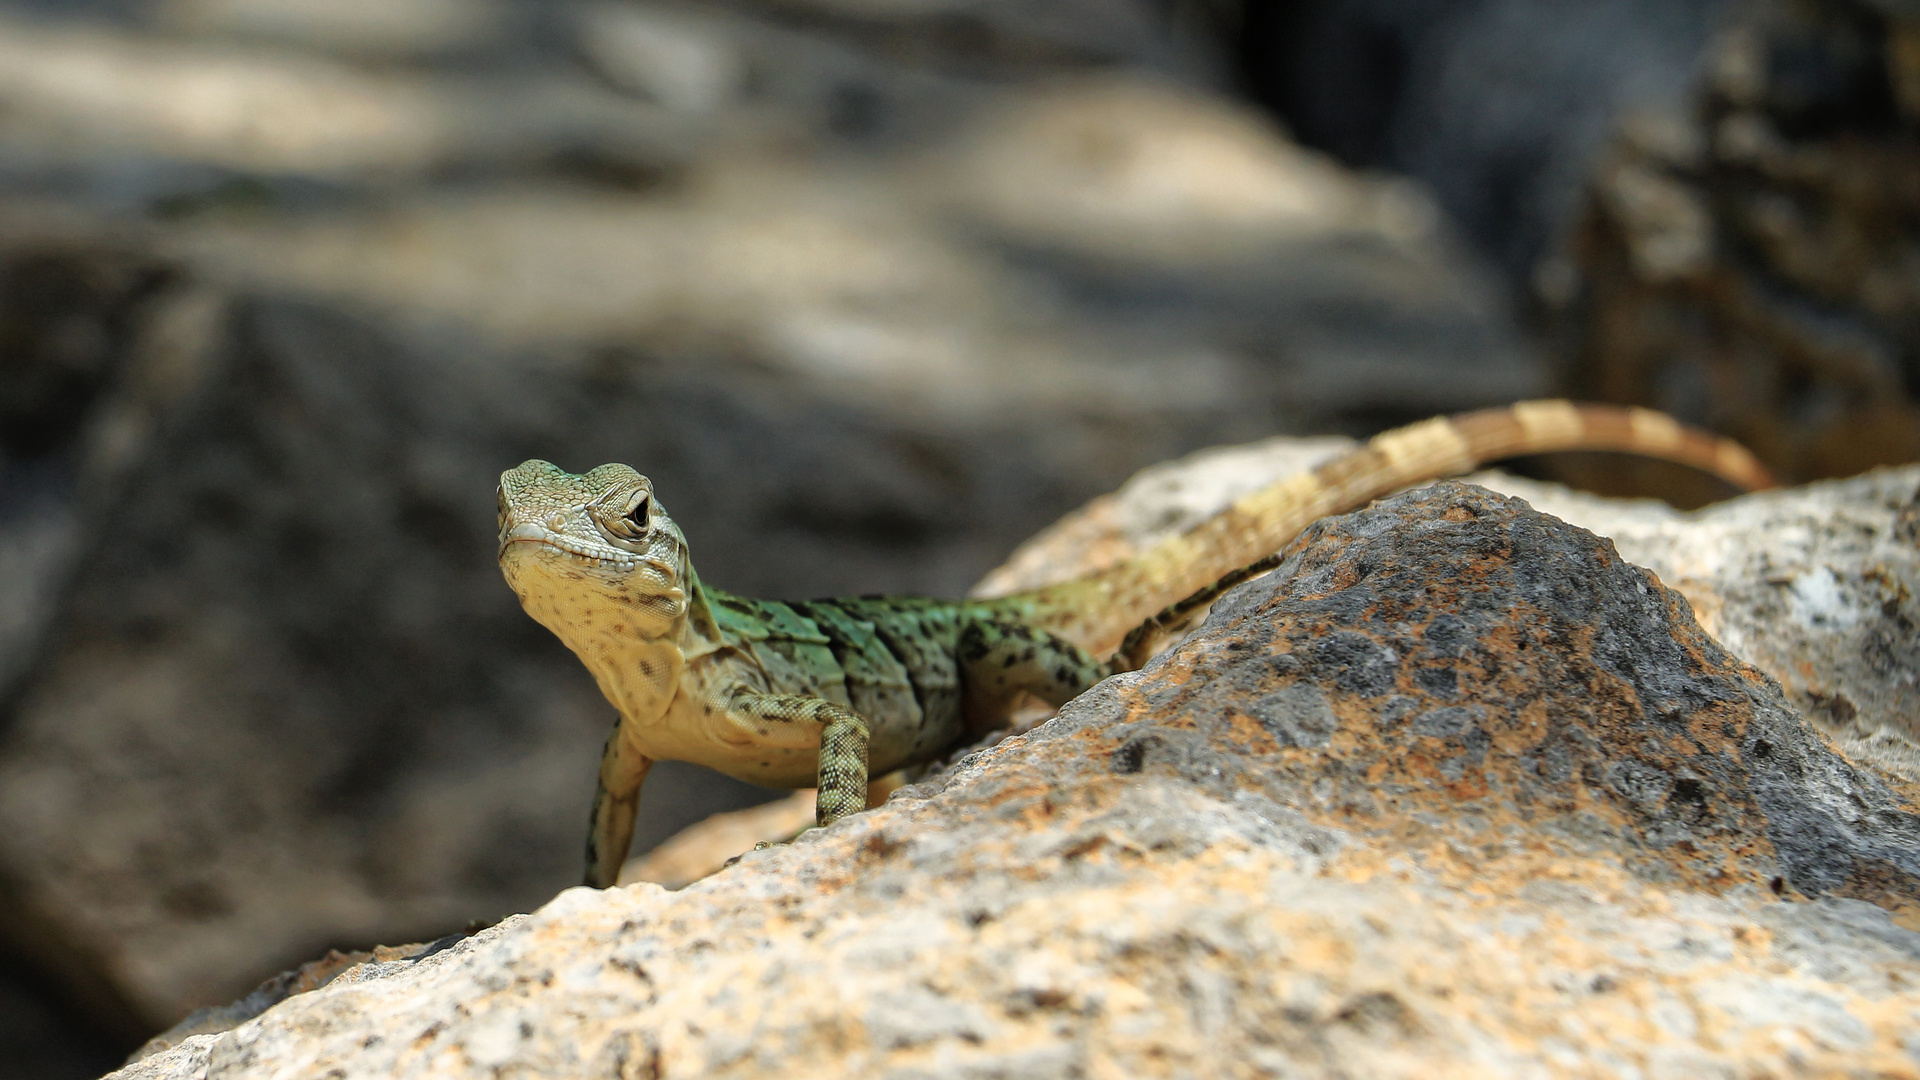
(890, 659)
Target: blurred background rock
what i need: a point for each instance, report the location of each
(874, 289)
(1752, 261)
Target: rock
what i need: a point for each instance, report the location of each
(941, 280)
(1454, 789)
(1814, 585)
(307, 977)
(698, 850)
(1160, 501)
(1128, 170)
(1711, 203)
(1744, 260)
(423, 29)
(705, 847)
(687, 64)
(72, 301)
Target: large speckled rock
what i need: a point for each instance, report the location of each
(1454, 791)
(1815, 585)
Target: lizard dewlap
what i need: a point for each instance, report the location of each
(827, 692)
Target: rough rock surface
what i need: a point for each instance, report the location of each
(1814, 585)
(1455, 791)
(307, 977)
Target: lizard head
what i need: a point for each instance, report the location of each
(592, 557)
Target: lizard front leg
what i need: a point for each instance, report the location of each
(615, 803)
(843, 744)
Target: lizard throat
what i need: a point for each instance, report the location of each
(622, 619)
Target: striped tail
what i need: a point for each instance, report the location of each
(1186, 571)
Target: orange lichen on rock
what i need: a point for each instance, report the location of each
(1452, 656)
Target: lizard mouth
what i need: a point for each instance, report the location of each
(528, 533)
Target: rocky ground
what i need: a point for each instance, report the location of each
(1456, 790)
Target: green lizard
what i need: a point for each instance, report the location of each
(825, 692)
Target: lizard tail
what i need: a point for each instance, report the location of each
(1156, 588)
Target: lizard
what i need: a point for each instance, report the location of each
(824, 692)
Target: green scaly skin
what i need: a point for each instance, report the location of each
(824, 693)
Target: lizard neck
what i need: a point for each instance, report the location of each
(700, 633)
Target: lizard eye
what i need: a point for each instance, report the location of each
(632, 525)
(500, 522)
